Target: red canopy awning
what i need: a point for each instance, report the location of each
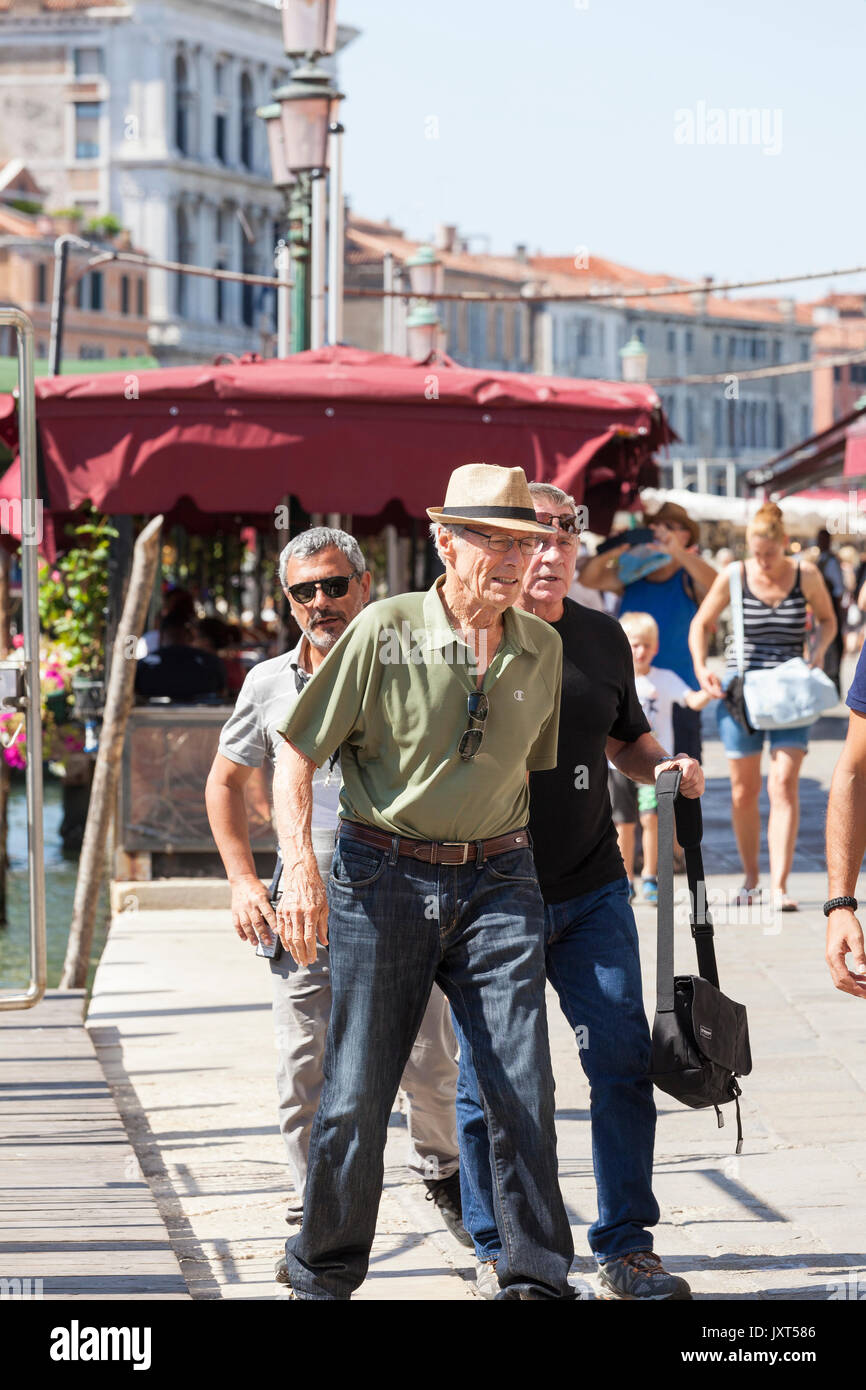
(339, 428)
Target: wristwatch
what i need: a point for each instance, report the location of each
(833, 903)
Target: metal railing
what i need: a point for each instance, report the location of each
(30, 700)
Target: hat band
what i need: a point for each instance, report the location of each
(477, 513)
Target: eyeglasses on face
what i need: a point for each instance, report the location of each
(527, 545)
(477, 706)
(337, 587)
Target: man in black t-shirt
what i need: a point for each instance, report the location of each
(177, 670)
(592, 953)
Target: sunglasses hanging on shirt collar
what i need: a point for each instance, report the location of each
(478, 707)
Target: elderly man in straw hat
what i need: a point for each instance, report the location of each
(440, 703)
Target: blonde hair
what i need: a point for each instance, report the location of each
(640, 625)
(768, 523)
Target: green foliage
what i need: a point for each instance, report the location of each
(73, 597)
(70, 214)
(25, 205)
(108, 225)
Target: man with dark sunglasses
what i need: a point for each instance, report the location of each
(432, 880)
(327, 582)
(591, 944)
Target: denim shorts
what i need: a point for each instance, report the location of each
(739, 743)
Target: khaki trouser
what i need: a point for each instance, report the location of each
(302, 1006)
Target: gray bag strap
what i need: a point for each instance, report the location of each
(689, 823)
(738, 629)
(667, 786)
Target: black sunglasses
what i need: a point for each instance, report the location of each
(565, 523)
(478, 708)
(338, 587)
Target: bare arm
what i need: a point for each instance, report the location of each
(645, 758)
(817, 596)
(707, 615)
(227, 813)
(698, 699)
(846, 845)
(302, 913)
(599, 571)
(701, 573)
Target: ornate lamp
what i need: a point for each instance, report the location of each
(309, 27)
(633, 360)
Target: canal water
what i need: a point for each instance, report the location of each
(61, 872)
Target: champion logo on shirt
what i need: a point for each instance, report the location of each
(519, 695)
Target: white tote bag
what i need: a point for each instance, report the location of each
(788, 696)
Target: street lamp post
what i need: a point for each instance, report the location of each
(422, 325)
(337, 236)
(309, 27)
(308, 105)
(422, 330)
(633, 360)
(285, 181)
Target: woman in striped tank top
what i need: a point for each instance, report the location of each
(776, 594)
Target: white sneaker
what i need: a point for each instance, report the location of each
(486, 1281)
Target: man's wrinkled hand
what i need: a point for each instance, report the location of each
(692, 782)
(253, 918)
(302, 912)
(844, 935)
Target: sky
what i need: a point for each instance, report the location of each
(607, 124)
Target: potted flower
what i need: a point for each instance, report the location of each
(73, 600)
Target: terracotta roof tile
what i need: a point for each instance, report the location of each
(559, 275)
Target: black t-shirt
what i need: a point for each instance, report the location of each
(574, 838)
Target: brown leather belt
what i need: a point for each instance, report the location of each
(434, 852)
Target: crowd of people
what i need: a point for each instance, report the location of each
(465, 770)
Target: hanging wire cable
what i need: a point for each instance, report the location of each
(533, 292)
(756, 374)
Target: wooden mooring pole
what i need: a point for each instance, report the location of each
(118, 702)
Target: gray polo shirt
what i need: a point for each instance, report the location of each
(249, 737)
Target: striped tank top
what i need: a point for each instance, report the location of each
(772, 634)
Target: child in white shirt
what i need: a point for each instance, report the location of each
(658, 690)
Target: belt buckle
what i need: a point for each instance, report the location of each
(455, 844)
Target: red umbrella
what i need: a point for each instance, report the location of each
(339, 428)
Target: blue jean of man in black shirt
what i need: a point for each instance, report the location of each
(591, 944)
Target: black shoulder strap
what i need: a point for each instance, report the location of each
(690, 831)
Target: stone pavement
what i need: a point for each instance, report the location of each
(180, 1018)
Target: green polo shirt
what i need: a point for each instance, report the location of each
(392, 697)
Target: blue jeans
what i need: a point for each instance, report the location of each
(739, 743)
(396, 925)
(594, 965)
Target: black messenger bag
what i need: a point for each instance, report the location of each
(700, 1040)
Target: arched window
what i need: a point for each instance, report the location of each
(221, 120)
(182, 103)
(249, 293)
(184, 255)
(248, 114)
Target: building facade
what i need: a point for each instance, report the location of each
(106, 305)
(840, 321)
(724, 427)
(146, 109)
(495, 337)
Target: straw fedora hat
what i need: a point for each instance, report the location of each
(485, 492)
